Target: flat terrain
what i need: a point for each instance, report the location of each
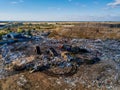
(100, 39)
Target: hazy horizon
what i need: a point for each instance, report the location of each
(59, 10)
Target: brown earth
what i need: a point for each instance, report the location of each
(42, 81)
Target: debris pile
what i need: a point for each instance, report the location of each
(93, 63)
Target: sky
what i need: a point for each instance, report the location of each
(59, 10)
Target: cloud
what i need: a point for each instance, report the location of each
(54, 8)
(17, 2)
(114, 4)
(52, 17)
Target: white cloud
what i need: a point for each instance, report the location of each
(52, 17)
(114, 4)
(17, 2)
(54, 8)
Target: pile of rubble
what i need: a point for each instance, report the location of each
(63, 58)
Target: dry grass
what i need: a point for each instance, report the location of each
(89, 31)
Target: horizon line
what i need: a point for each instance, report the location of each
(51, 21)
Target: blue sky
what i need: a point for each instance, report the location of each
(60, 10)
